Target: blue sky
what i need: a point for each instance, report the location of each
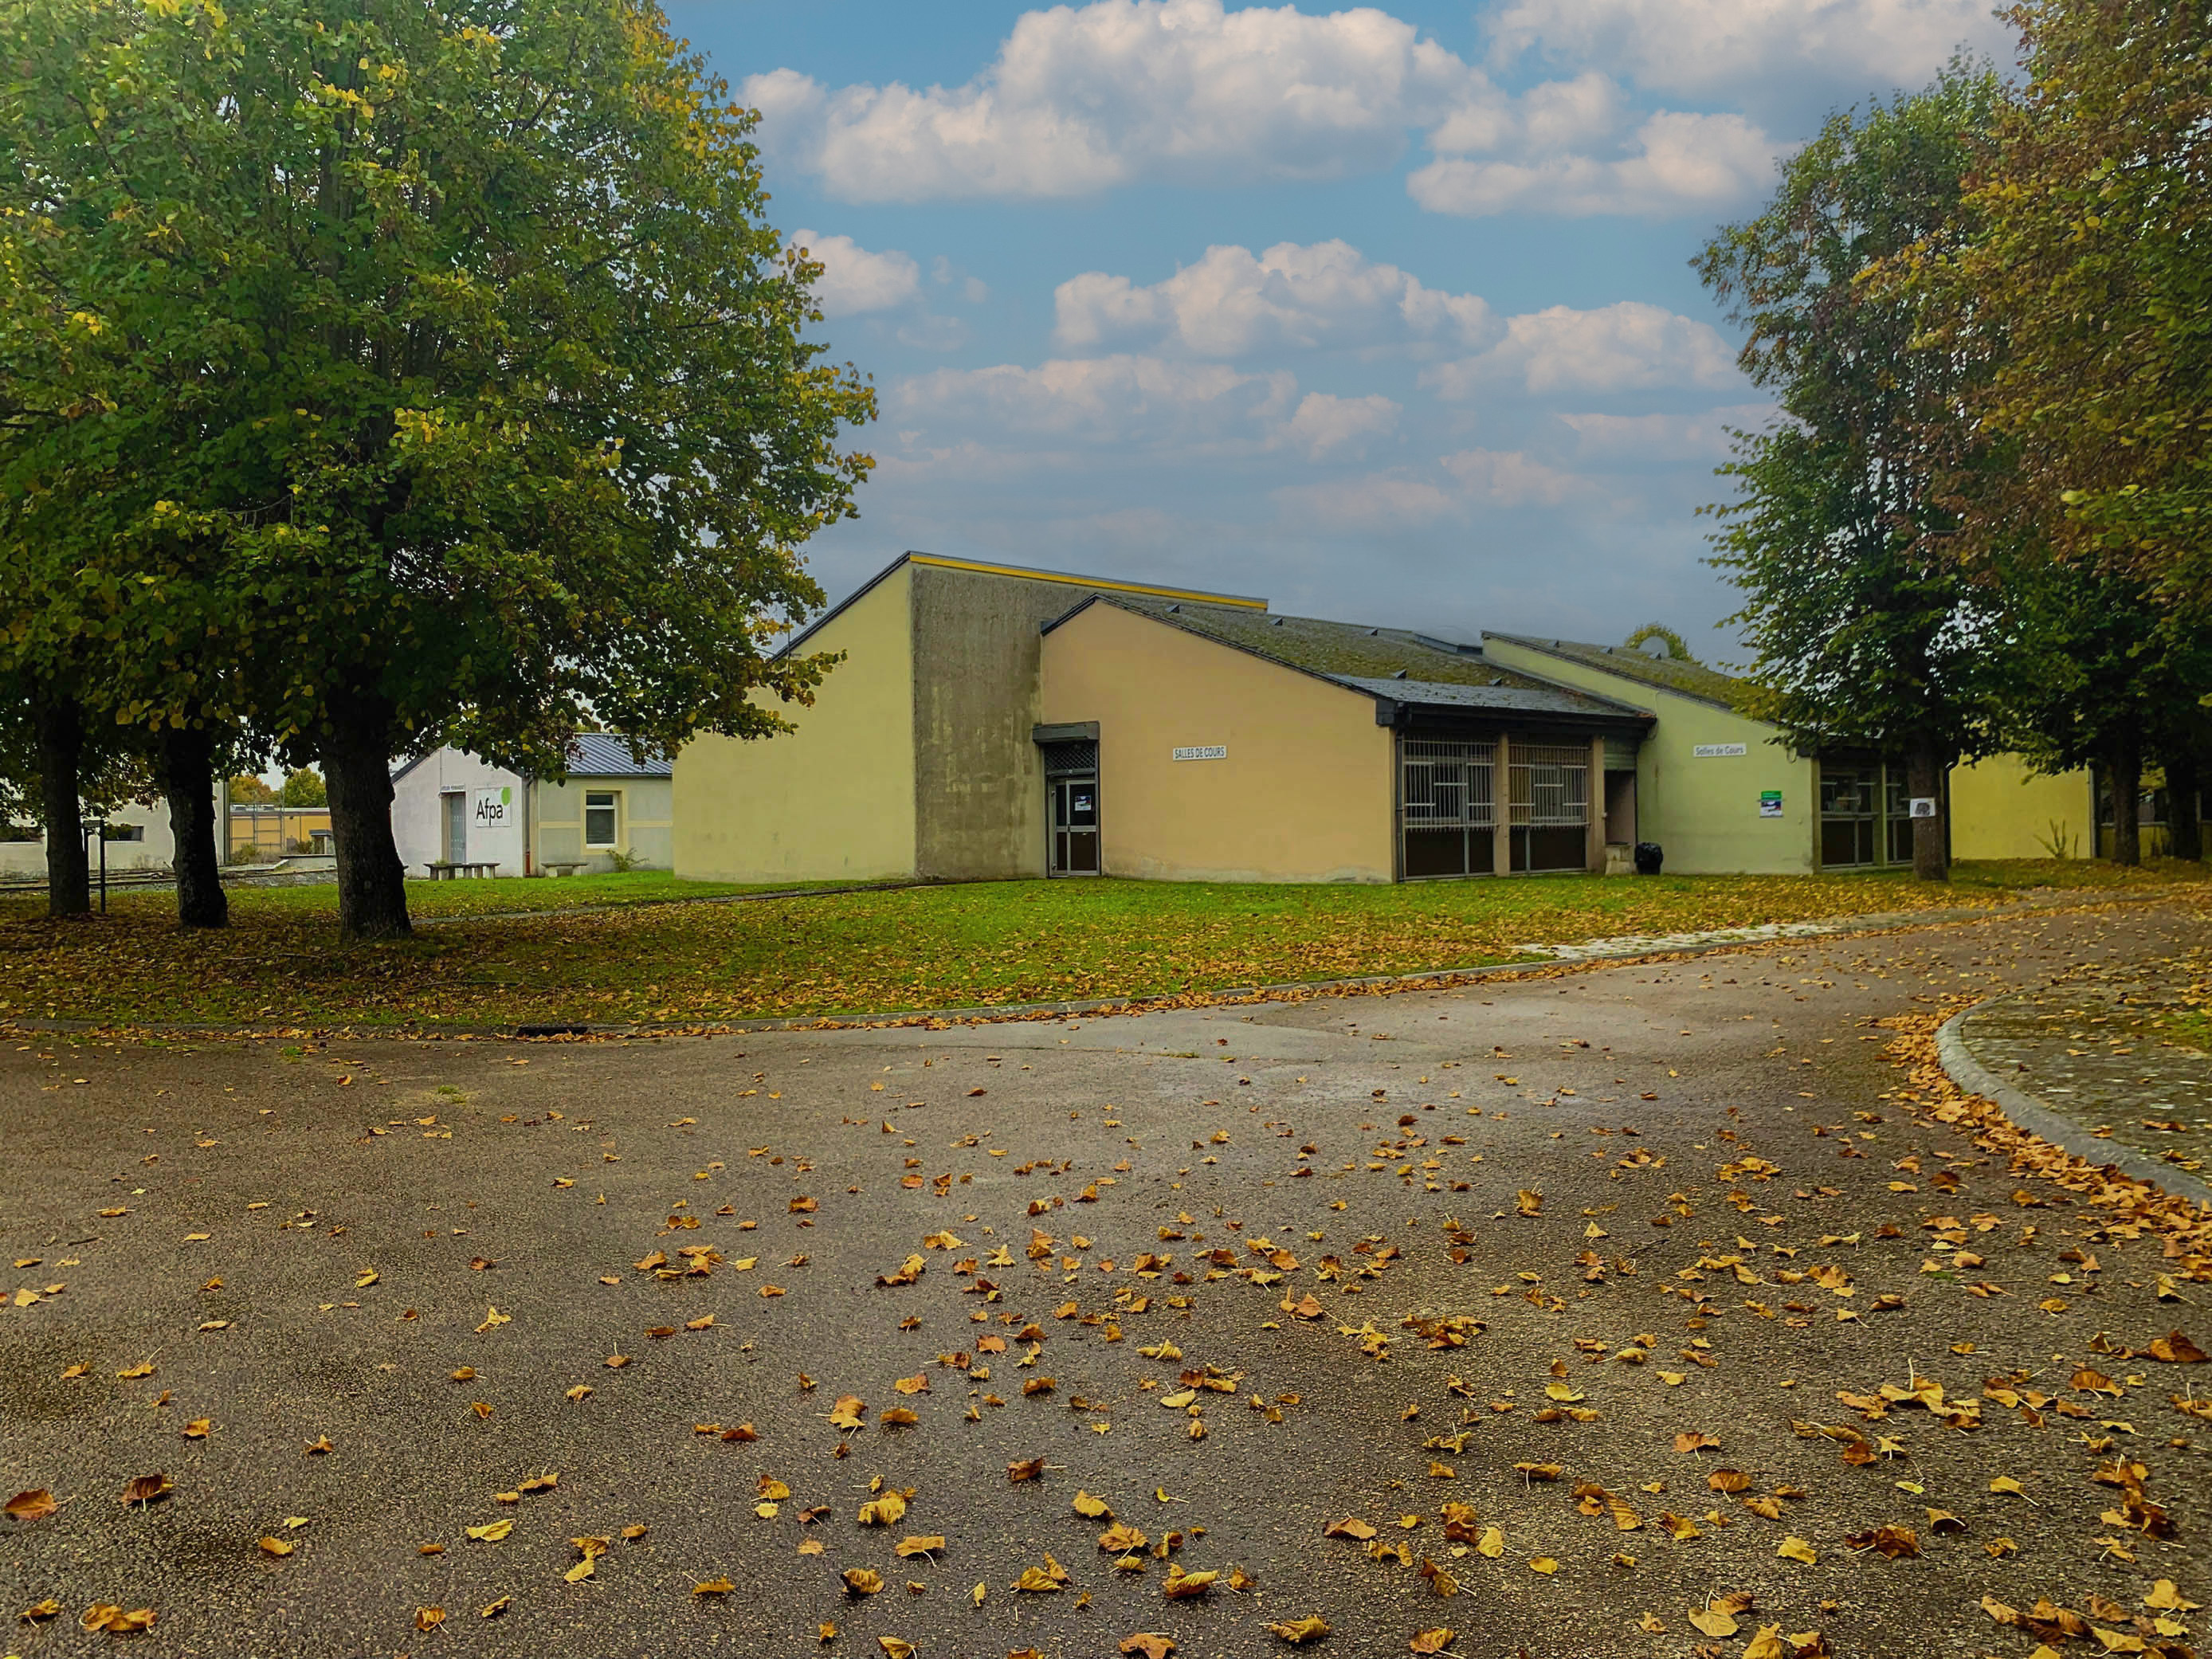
(1385, 314)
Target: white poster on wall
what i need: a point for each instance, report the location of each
(490, 809)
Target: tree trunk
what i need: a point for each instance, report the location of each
(1923, 780)
(2126, 765)
(186, 759)
(2185, 827)
(61, 752)
(357, 769)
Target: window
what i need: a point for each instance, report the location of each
(122, 832)
(1445, 813)
(602, 807)
(1865, 815)
(1549, 805)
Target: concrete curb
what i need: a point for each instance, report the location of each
(2029, 1113)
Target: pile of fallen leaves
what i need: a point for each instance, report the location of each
(2185, 1227)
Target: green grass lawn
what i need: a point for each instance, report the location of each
(617, 950)
(500, 894)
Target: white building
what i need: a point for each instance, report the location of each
(450, 806)
(138, 837)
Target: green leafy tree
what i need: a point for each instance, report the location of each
(63, 775)
(246, 790)
(303, 786)
(115, 623)
(2091, 266)
(2097, 675)
(1863, 631)
(484, 397)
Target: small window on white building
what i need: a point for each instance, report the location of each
(602, 807)
(122, 832)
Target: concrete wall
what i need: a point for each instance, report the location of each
(644, 821)
(834, 800)
(2001, 809)
(1303, 793)
(979, 786)
(154, 849)
(1704, 812)
(415, 808)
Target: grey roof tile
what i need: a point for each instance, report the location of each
(1384, 662)
(607, 754)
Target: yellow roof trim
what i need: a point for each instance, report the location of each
(1199, 595)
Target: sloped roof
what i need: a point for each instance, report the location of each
(1020, 572)
(607, 754)
(591, 755)
(1392, 663)
(1689, 679)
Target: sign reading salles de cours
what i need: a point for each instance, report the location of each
(1718, 750)
(1204, 751)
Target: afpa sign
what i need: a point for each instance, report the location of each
(489, 808)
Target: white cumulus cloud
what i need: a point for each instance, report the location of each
(1650, 438)
(1139, 400)
(1082, 98)
(1755, 49)
(1561, 155)
(1233, 302)
(1457, 488)
(1632, 346)
(1324, 424)
(1160, 406)
(854, 280)
(1508, 477)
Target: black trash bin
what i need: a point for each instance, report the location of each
(1649, 857)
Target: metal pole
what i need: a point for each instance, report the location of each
(103, 870)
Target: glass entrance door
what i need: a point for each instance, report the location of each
(1074, 817)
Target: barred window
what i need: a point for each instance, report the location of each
(1550, 785)
(1447, 784)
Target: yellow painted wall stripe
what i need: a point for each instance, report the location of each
(1198, 595)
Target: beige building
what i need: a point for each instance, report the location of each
(988, 720)
(917, 757)
(2002, 810)
(452, 807)
(1722, 790)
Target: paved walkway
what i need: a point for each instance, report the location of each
(2092, 1047)
(1633, 1306)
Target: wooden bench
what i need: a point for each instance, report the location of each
(449, 869)
(564, 867)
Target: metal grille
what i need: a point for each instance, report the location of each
(1550, 785)
(1065, 759)
(1447, 784)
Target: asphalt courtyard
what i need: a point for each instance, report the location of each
(1620, 1311)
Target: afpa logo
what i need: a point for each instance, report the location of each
(491, 807)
